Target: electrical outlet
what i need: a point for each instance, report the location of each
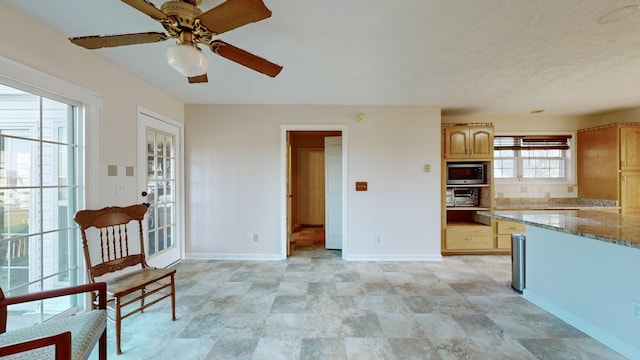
(378, 237)
(635, 309)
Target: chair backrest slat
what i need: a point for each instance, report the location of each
(112, 238)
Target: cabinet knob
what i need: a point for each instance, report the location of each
(469, 238)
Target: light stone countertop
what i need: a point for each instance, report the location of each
(621, 229)
(555, 204)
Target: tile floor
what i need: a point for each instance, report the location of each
(314, 305)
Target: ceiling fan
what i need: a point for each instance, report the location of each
(184, 21)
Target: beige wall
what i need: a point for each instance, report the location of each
(42, 49)
(631, 115)
(235, 173)
(528, 123)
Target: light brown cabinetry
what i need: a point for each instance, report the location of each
(463, 231)
(609, 164)
(630, 192)
(630, 148)
(504, 229)
(469, 237)
(468, 141)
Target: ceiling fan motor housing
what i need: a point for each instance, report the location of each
(182, 21)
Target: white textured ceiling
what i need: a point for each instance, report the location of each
(467, 56)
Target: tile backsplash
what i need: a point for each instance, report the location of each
(535, 191)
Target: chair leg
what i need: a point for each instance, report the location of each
(102, 346)
(173, 298)
(144, 295)
(118, 320)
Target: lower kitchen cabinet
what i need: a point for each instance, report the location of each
(468, 237)
(504, 229)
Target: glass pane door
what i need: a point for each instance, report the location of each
(161, 184)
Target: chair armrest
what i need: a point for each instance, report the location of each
(62, 343)
(100, 287)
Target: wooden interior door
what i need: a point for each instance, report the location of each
(311, 186)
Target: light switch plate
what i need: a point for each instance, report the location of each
(361, 186)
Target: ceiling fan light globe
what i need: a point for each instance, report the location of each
(187, 60)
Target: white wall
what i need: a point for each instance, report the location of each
(27, 42)
(233, 157)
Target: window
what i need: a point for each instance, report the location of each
(531, 157)
(38, 192)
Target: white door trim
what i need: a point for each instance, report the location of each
(283, 181)
(180, 210)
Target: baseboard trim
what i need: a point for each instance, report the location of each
(276, 257)
(224, 256)
(394, 257)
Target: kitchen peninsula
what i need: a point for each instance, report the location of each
(583, 266)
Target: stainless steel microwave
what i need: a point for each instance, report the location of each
(466, 173)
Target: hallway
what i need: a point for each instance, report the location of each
(309, 241)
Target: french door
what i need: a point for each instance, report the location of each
(160, 187)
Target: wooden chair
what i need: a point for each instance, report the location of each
(132, 285)
(73, 337)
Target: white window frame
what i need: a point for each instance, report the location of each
(88, 103)
(570, 163)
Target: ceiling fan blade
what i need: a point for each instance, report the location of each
(146, 7)
(232, 14)
(198, 79)
(245, 58)
(97, 42)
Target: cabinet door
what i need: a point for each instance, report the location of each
(480, 143)
(456, 140)
(477, 237)
(598, 163)
(630, 148)
(505, 227)
(630, 192)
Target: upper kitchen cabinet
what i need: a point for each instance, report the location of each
(598, 176)
(468, 141)
(629, 148)
(609, 164)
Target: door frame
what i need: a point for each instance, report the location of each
(284, 129)
(180, 196)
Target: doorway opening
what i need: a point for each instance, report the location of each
(314, 191)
